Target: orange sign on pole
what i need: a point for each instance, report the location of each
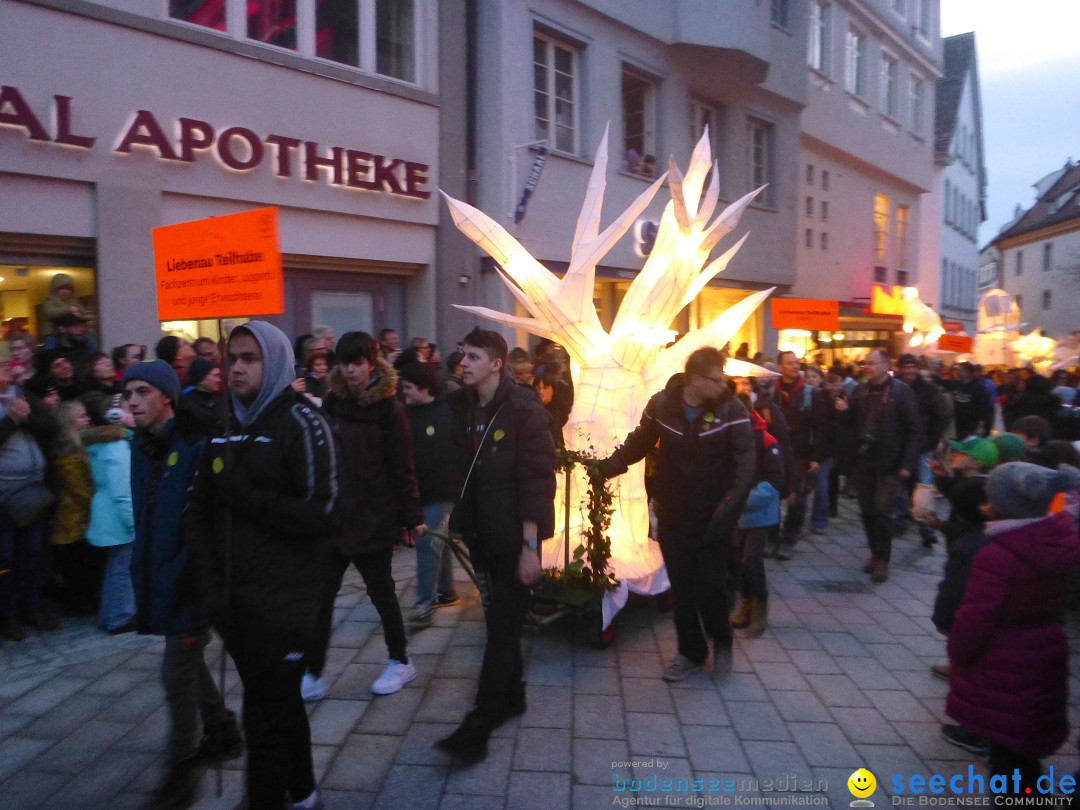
(805, 313)
(222, 267)
(961, 344)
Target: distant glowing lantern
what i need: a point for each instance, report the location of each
(921, 322)
(616, 371)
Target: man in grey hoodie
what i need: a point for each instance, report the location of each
(261, 519)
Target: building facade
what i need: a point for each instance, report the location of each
(866, 148)
(1040, 254)
(156, 112)
(654, 76)
(959, 197)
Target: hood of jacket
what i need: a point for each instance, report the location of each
(103, 434)
(1048, 545)
(383, 385)
(278, 370)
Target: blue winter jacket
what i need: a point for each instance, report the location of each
(762, 507)
(166, 595)
(112, 521)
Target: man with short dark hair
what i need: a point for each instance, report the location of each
(934, 414)
(70, 338)
(168, 593)
(704, 472)
(207, 349)
(796, 400)
(973, 411)
(888, 436)
(261, 518)
(389, 344)
(506, 458)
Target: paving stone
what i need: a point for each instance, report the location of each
(837, 690)
(82, 746)
(867, 726)
(897, 705)
(542, 749)
(599, 716)
(363, 763)
(10, 723)
(489, 777)
(926, 741)
(868, 673)
(599, 762)
(700, 707)
(647, 695)
(824, 744)
(758, 721)
(354, 681)
(841, 644)
(634, 664)
(891, 759)
(460, 801)
(390, 714)
(345, 799)
(412, 786)
(119, 681)
(590, 797)
(47, 696)
(549, 707)
(766, 650)
(333, 720)
(800, 706)
(774, 760)
(71, 713)
(30, 788)
(98, 785)
(738, 687)
(816, 661)
(149, 735)
(596, 681)
(780, 676)
(447, 701)
(16, 752)
(654, 735)
(711, 748)
(541, 791)
(461, 662)
(470, 633)
(792, 639)
(139, 703)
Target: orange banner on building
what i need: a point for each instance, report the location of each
(961, 344)
(805, 313)
(887, 300)
(221, 267)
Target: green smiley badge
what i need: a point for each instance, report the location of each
(499, 434)
(218, 465)
(430, 430)
(173, 458)
(709, 417)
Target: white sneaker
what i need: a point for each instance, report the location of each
(312, 688)
(393, 678)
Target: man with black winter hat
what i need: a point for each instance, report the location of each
(261, 520)
(168, 599)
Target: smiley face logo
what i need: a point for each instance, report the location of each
(861, 783)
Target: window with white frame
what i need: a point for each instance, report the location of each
(923, 9)
(702, 116)
(1018, 264)
(824, 210)
(824, 179)
(890, 69)
(1047, 300)
(855, 62)
(903, 219)
(1047, 255)
(377, 36)
(817, 42)
(761, 158)
(809, 206)
(639, 127)
(555, 77)
(916, 101)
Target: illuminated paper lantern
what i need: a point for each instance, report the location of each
(615, 372)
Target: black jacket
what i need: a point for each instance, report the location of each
(888, 430)
(704, 470)
(957, 568)
(433, 446)
(971, 406)
(934, 411)
(796, 401)
(513, 479)
(276, 488)
(835, 431)
(376, 474)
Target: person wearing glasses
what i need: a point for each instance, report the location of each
(168, 600)
(704, 472)
(888, 440)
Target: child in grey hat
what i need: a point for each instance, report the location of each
(1006, 646)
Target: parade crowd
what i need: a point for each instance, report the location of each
(228, 486)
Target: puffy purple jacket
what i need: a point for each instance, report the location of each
(1007, 647)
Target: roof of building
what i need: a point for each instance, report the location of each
(1060, 202)
(959, 58)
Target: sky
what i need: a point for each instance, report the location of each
(1029, 76)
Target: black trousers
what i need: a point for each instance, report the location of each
(270, 659)
(750, 561)
(506, 602)
(1003, 761)
(375, 569)
(701, 590)
(877, 496)
(795, 516)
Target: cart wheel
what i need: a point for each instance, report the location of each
(602, 636)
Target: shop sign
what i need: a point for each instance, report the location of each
(235, 148)
(961, 344)
(805, 313)
(952, 326)
(887, 300)
(221, 267)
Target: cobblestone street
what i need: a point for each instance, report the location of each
(841, 680)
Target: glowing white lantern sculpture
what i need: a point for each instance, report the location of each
(998, 325)
(921, 322)
(616, 372)
(1035, 348)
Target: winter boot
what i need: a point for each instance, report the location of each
(759, 617)
(741, 617)
(221, 741)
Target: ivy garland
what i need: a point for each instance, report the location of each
(589, 561)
